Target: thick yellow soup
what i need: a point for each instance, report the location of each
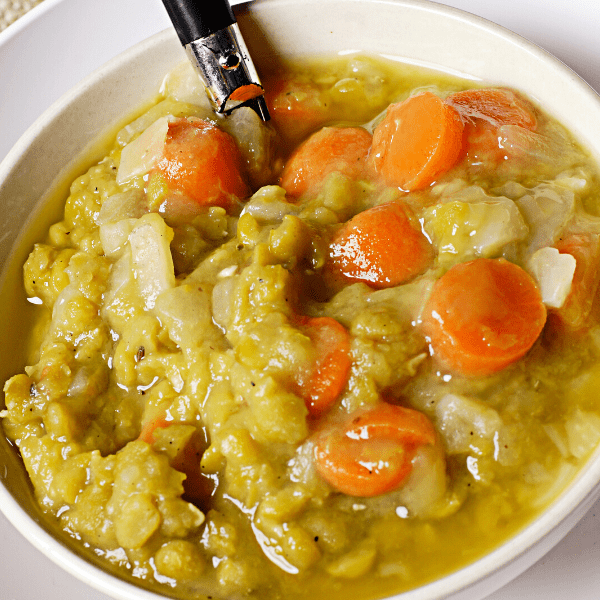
(337, 355)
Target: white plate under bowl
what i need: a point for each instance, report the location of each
(420, 32)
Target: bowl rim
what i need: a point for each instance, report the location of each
(567, 508)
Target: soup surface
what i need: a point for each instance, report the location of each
(334, 356)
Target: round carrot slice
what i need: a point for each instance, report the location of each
(325, 380)
(342, 149)
(486, 111)
(417, 142)
(371, 453)
(381, 246)
(482, 144)
(203, 162)
(297, 108)
(495, 105)
(483, 315)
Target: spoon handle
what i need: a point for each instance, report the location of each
(210, 35)
(196, 19)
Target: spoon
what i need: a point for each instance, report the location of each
(210, 35)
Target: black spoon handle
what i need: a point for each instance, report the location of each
(195, 19)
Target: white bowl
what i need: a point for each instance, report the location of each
(419, 32)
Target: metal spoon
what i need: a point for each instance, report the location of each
(210, 35)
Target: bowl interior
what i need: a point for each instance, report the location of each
(418, 32)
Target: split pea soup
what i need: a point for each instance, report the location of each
(337, 355)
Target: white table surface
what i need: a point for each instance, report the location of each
(84, 34)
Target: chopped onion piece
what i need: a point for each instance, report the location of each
(553, 272)
(120, 283)
(222, 296)
(427, 483)
(583, 432)
(114, 236)
(459, 417)
(166, 108)
(228, 271)
(141, 155)
(254, 139)
(185, 312)
(84, 382)
(151, 257)
(547, 208)
(184, 84)
(575, 179)
(129, 204)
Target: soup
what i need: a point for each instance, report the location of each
(338, 355)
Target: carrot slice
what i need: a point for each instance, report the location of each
(371, 453)
(324, 382)
(483, 315)
(585, 248)
(494, 105)
(342, 149)
(203, 162)
(482, 144)
(381, 246)
(486, 112)
(297, 108)
(417, 142)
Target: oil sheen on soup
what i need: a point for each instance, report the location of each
(337, 355)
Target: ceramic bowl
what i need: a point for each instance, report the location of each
(417, 32)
